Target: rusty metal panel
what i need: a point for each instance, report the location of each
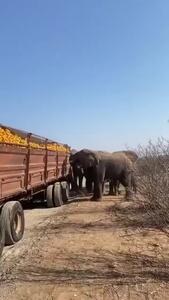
(62, 164)
(36, 174)
(51, 166)
(12, 170)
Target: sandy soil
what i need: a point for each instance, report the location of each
(87, 250)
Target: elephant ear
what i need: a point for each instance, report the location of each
(131, 155)
(73, 158)
(95, 157)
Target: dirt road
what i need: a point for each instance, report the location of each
(87, 250)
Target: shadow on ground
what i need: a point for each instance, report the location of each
(101, 268)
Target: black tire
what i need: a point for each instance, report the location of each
(49, 196)
(65, 191)
(57, 194)
(14, 222)
(2, 236)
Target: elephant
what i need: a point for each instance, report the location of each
(114, 187)
(77, 174)
(133, 157)
(105, 166)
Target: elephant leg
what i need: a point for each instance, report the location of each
(98, 184)
(103, 188)
(118, 188)
(114, 187)
(133, 183)
(89, 179)
(97, 196)
(80, 182)
(89, 185)
(74, 184)
(111, 187)
(74, 178)
(126, 182)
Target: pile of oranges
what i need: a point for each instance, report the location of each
(6, 136)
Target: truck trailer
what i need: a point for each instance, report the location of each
(30, 168)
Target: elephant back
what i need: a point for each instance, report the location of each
(122, 159)
(118, 159)
(130, 154)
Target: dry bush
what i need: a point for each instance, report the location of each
(153, 180)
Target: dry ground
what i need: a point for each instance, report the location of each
(87, 250)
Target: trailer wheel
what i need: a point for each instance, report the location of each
(57, 194)
(49, 196)
(65, 191)
(2, 236)
(14, 222)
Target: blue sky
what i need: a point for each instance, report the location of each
(90, 73)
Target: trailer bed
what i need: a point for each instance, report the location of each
(25, 170)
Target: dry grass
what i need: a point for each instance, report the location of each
(153, 181)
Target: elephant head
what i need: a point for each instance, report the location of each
(85, 158)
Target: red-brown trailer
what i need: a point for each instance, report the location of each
(25, 173)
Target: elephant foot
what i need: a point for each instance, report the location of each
(89, 192)
(129, 196)
(95, 199)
